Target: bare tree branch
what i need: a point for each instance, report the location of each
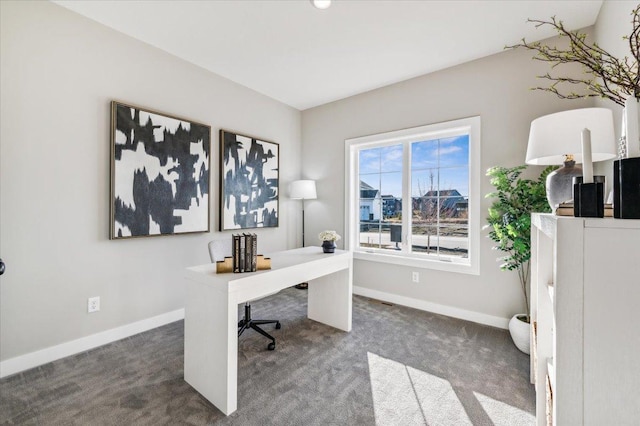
(605, 75)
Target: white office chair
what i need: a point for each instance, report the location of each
(218, 250)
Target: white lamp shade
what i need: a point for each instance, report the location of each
(553, 136)
(321, 4)
(303, 190)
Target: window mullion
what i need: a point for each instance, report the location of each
(407, 207)
(439, 209)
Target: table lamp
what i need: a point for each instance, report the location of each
(560, 138)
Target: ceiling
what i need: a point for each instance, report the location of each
(305, 57)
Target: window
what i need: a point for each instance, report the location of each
(413, 196)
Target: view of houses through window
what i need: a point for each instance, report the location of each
(438, 172)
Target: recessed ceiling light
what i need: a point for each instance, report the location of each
(321, 4)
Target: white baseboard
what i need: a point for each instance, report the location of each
(433, 307)
(53, 353)
(44, 356)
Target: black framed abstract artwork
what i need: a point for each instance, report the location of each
(160, 167)
(249, 178)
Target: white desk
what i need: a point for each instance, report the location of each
(211, 312)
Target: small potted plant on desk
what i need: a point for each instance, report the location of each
(329, 239)
(509, 222)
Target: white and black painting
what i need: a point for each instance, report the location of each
(159, 173)
(249, 182)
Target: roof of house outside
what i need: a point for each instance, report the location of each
(364, 185)
(443, 193)
(368, 193)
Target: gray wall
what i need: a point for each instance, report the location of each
(59, 71)
(614, 22)
(497, 89)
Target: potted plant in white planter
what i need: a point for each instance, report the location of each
(509, 222)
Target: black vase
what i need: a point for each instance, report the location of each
(328, 246)
(626, 188)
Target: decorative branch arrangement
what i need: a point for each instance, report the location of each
(606, 76)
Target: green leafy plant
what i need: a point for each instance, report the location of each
(605, 75)
(509, 218)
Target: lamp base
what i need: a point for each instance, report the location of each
(560, 183)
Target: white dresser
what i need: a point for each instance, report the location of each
(585, 308)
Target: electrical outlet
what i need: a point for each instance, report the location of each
(93, 304)
(415, 276)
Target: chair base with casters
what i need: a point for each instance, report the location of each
(218, 249)
(247, 322)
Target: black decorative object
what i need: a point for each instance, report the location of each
(626, 188)
(396, 234)
(249, 170)
(329, 246)
(159, 173)
(588, 198)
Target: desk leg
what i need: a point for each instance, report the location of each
(211, 345)
(330, 299)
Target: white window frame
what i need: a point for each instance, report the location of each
(469, 265)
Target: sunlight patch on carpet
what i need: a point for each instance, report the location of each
(504, 414)
(405, 395)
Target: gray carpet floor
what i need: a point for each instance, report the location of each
(398, 366)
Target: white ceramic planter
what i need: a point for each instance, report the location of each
(520, 333)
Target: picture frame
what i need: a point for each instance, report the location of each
(160, 173)
(249, 182)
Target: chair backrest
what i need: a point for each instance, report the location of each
(219, 249)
